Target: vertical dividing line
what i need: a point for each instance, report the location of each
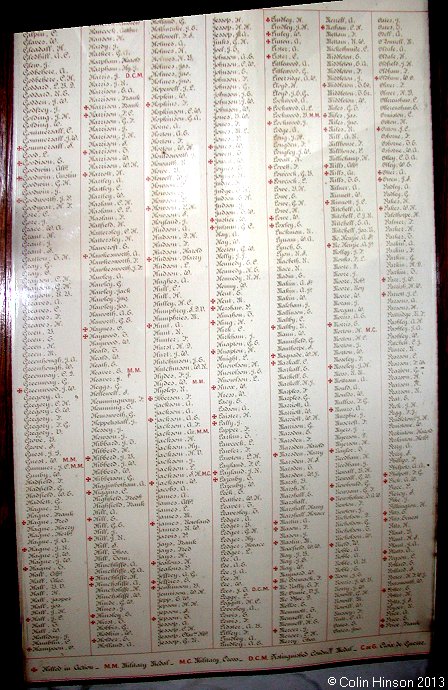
(269, 332)
(326, 315)
(381, 318)
(81, 332)
(207, 209)
(144, 328)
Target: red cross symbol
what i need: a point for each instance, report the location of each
(331, 498)
(215, 472)
(148, 208)
(84, 174)
(85, 329)
(211, 161)
(151, 483)
(150, 419)
(331, 544)
(275, 543)
(88, 479)
(384, 590)
(268, 19)
(212, 220)
(272, 363)
(213, 352)
(330, 380)
(269, 123)
(153, 562)
(85, 256)
(269, 108)
(330, 366)
(268, 33)
(91, 578)
(25, 568)
(149, 325)
(275, 455)
(215, 479)
(89, 519)
(150, 398)
(86, 115)
(19, 163)
(272, 355)
(268, 41)
(270, 181)
(24, 549)
(327, 202)
(88, 457)
(383, 294)
(330, 409)
(214, 423)
(152, 523)
(275, 568)
(148, 258)
(322, 26)
(210, 146)
(381, 208)
(34, 669)
(330, 577)
(329, 324)
(331, 450)
(20, 390)
(324, 85)
(214, 416)
(89, 538)
(148, 104)
(383, 279)
(385, 512)
(274, 630)
(213, 308)
(213, 301)
(19, 148)
(153, 618)
(85, 152)
(378, 129)
(331, 486)
(213, 388)
(19, 179)
(89, 493)
(85, 336)
(272, 327)
(376, 78)
(213, 322)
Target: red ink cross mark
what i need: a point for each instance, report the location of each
(150, 398)
(88, 479)
(268, 33)
(212, 220)
(148, 258)
(25, 568)
(330, 366)
(329, 324)
(210, 146)
(324, 85)
(86, 107)
(34, 669)
(376, 78)
(89, 493)
(211, 161)
(378, 129)
(85, 336)
(148, 104)
(215, 472)
(330, 577)
(153, 562)
(214, 423)
(20, 390)
(275, 455)
(89, 538)
(327, 202)
(152, 523)
(86, 115)
(213, 301)
(273, 355)
(331, 544)
(215, 479)
(214, 416)
(213, 388)
(19, 148)
(213, 308)
(85, 256)
(330, 380)
(275, 543)
(331, 450)
(331, 486)
(269, 123)
(148, 208)
(87, 457)
(84, 174)
(383, 294)
(153, 618)
(330, 409)
(272, 363)
(151, 483)
(85, 152)
(269, 108)
(19, 163)
(331, 498)
(383, 279)
(322, 26)
(268, 41)
(85, 329)
(272, 327)
(89, 519)
(381, 208)
(149, 325)
(274, 630)
(213, 322)
(19, 179)
(268, 19)
(150, 419)
(270, 181)
(213, 352)
(23, 522)
(24, 549)
(269, 167)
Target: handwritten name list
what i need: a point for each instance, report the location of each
(224, 361)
